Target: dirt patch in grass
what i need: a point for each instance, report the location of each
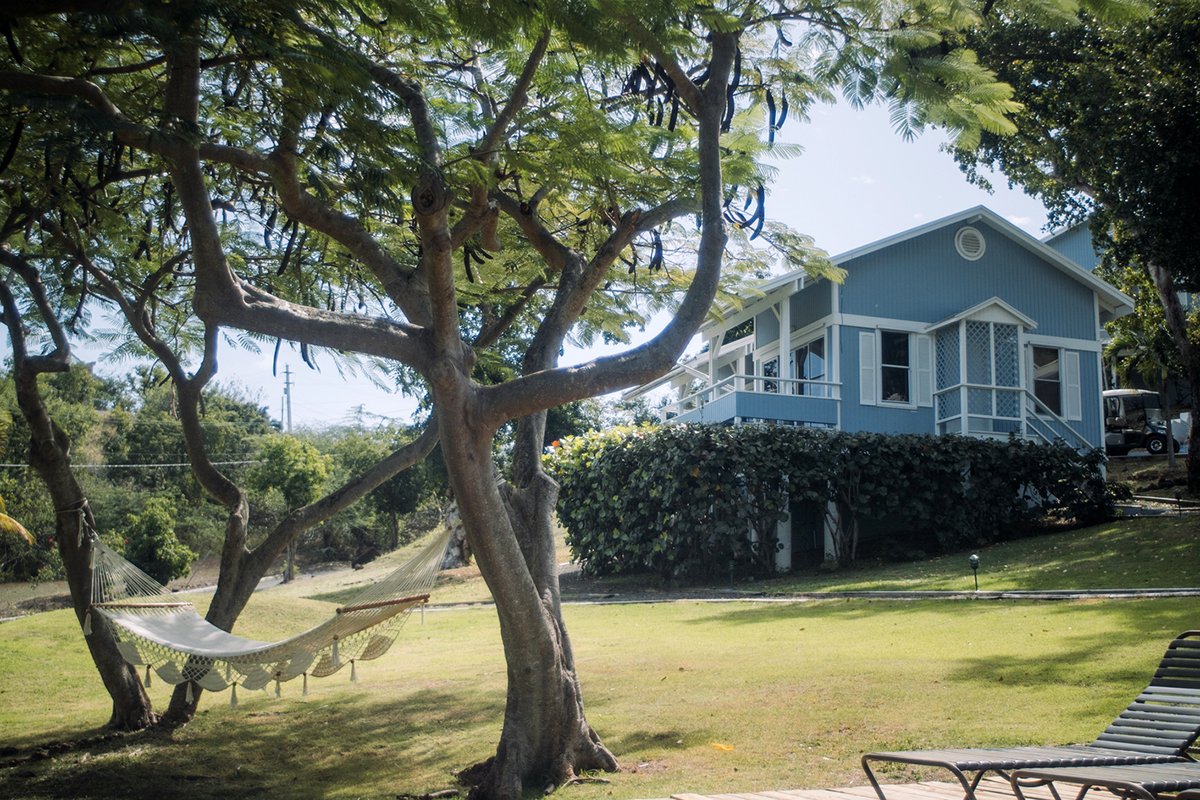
(21, 599)
(1150, 475)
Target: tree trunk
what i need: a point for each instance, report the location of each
(49, 454)
(236, 582)
(1167, 409)
(50, 457)
(546, 739)
(1176, 321)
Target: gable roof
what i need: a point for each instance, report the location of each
(1109, 295)
(1007, 312)
(1115, 302)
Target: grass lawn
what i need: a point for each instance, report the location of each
(690, 696)
(1134, 553)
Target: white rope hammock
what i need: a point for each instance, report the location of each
(171, 639)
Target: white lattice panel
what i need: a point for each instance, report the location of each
(979, 352)
(947, 357)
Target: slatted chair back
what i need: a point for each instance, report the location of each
(1165, 718)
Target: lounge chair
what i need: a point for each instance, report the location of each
(1142, 781)
(1158, 727)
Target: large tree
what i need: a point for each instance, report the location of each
(413, 182)
(100, 228)
(1110, 109)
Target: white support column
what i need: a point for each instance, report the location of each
(783, 556)
(714, 350)
(963, 392)
(785, 345)
(1024, 379)
(830, 525)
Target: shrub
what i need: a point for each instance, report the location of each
(701, 501)
(151, 543)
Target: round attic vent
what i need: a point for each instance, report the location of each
(969, 243)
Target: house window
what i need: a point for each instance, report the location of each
(894, 367)
(809, 361)
(1047, 378)
(770, 369)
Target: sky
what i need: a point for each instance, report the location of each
(857, 181)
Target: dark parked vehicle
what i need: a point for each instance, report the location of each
(1133, 418)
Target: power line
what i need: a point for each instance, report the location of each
(140, 466)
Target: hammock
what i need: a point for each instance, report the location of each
(169, 638)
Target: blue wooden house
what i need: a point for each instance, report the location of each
(966, 325)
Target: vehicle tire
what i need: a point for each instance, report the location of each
(1156, 445)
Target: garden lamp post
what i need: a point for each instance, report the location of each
(974, 562)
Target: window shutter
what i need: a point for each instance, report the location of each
(924, 376)
(1072, 389)
(868, 367)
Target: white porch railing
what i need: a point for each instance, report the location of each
(788, 387)
(1000, 411)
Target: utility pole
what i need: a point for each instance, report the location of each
(287, 395)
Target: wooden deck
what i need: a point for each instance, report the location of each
(989, 789)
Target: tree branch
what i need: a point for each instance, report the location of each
(57, 360)
(687, 90)
(553, 387)
(306, 517)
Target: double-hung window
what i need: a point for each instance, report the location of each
(894, 367)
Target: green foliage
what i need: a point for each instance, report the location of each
(11, 527)
(76, 400)
(151, 434)
(292, 466)
(374, 523)
(1139, 343)
(151, 543)
(1108, 104)
(681, 501)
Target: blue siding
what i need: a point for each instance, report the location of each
(816, 410)
(1091, 427)
(1076, 244)
(766, 329)
(812, 303)
(924, 279)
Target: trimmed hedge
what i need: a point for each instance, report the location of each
(702, 501)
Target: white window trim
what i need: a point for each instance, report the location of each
(870, 369)
(909, 367)
(1070, 380)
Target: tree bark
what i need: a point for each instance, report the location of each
(546, 739)
(1176, 319)
(50, 457)
(73, 524)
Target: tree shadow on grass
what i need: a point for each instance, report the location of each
(279, 750)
